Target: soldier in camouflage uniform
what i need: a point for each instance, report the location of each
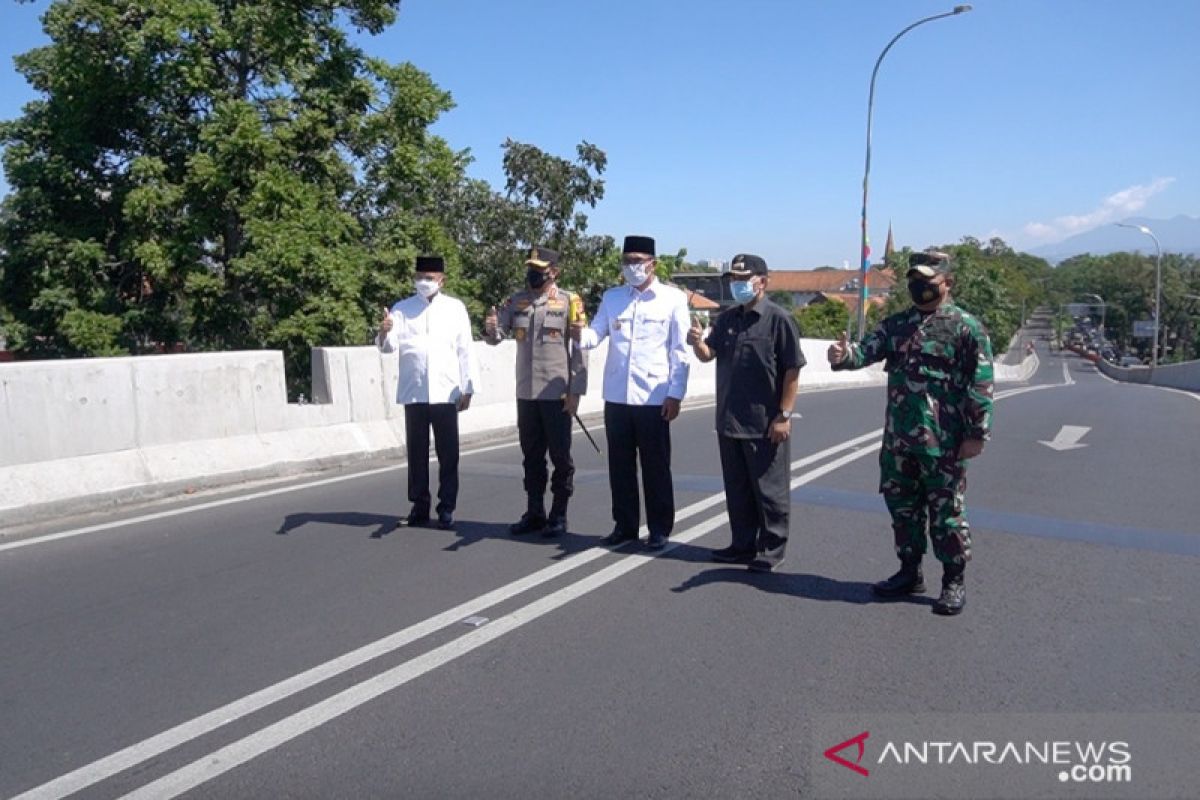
(551, 377)
(939, 364)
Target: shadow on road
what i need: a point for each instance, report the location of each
(383, 523)
(470, 532)
(809, 587)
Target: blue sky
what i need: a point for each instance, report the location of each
(740, 126)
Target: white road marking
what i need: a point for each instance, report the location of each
(316, 715)
(1192, 395)
(1067, 379)
(133, 755)
(211, 766)
(1067, 438)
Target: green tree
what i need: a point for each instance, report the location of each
(540, 205)
(217, 174)
(991, 281)
(825, 320)
(1126, 282)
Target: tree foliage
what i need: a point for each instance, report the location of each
(539, 206)
(824, 320)
(1126, 284)
(992, 281)
(215, 175)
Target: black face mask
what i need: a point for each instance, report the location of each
(923, 291)
(536, 279)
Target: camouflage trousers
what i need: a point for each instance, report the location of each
(926, 491)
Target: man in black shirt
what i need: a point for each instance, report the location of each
(757, 348)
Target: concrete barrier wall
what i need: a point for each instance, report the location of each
(1176, 376)
(83, 434)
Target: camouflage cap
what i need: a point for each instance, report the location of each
(928, 264)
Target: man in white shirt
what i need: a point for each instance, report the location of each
(432, 334)
(645, 379)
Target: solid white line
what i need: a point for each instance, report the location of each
(1193, 395)
(211, 766)
(1172, 389)
(133, 755)
(175, 512)
(1067, 379)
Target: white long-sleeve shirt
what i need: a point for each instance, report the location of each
(647, 355)
(433, 338)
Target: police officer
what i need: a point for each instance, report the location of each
(939, 415)
(551, 377)
(758, 355)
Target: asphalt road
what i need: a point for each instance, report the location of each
(295, 642)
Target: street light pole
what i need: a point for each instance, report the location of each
(865, 253)
(1157, 287)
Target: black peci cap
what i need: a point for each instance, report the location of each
(430, 264)
(638, 244)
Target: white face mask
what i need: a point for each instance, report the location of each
(426, 287)
(636, 274)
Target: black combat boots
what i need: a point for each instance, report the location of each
(532, 520)
(954, 594)
(908, 580)
(557, 524)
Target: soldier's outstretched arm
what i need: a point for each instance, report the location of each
(980, 382)
(872, 348)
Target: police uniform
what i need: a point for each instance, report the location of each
(549, 367)
(940, 385)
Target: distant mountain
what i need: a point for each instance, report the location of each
(1178, 235)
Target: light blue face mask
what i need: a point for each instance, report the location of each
(743, 291)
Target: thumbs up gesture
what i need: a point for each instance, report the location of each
(839, 350)
(490, 322)
(385, 324)
(695, 332)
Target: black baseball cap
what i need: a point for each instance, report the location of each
(748, 265)
(542, 258)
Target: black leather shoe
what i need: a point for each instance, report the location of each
(529, 523)
(445, 520)
(732, 555)
(417, 518)
(954, 594)
(617, 538)
(763, 564)
(908, 580)
(557, 526)
(656, 541)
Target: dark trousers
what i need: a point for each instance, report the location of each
(443, 418)
(639, 433)
(757, 476)
(543, 425)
